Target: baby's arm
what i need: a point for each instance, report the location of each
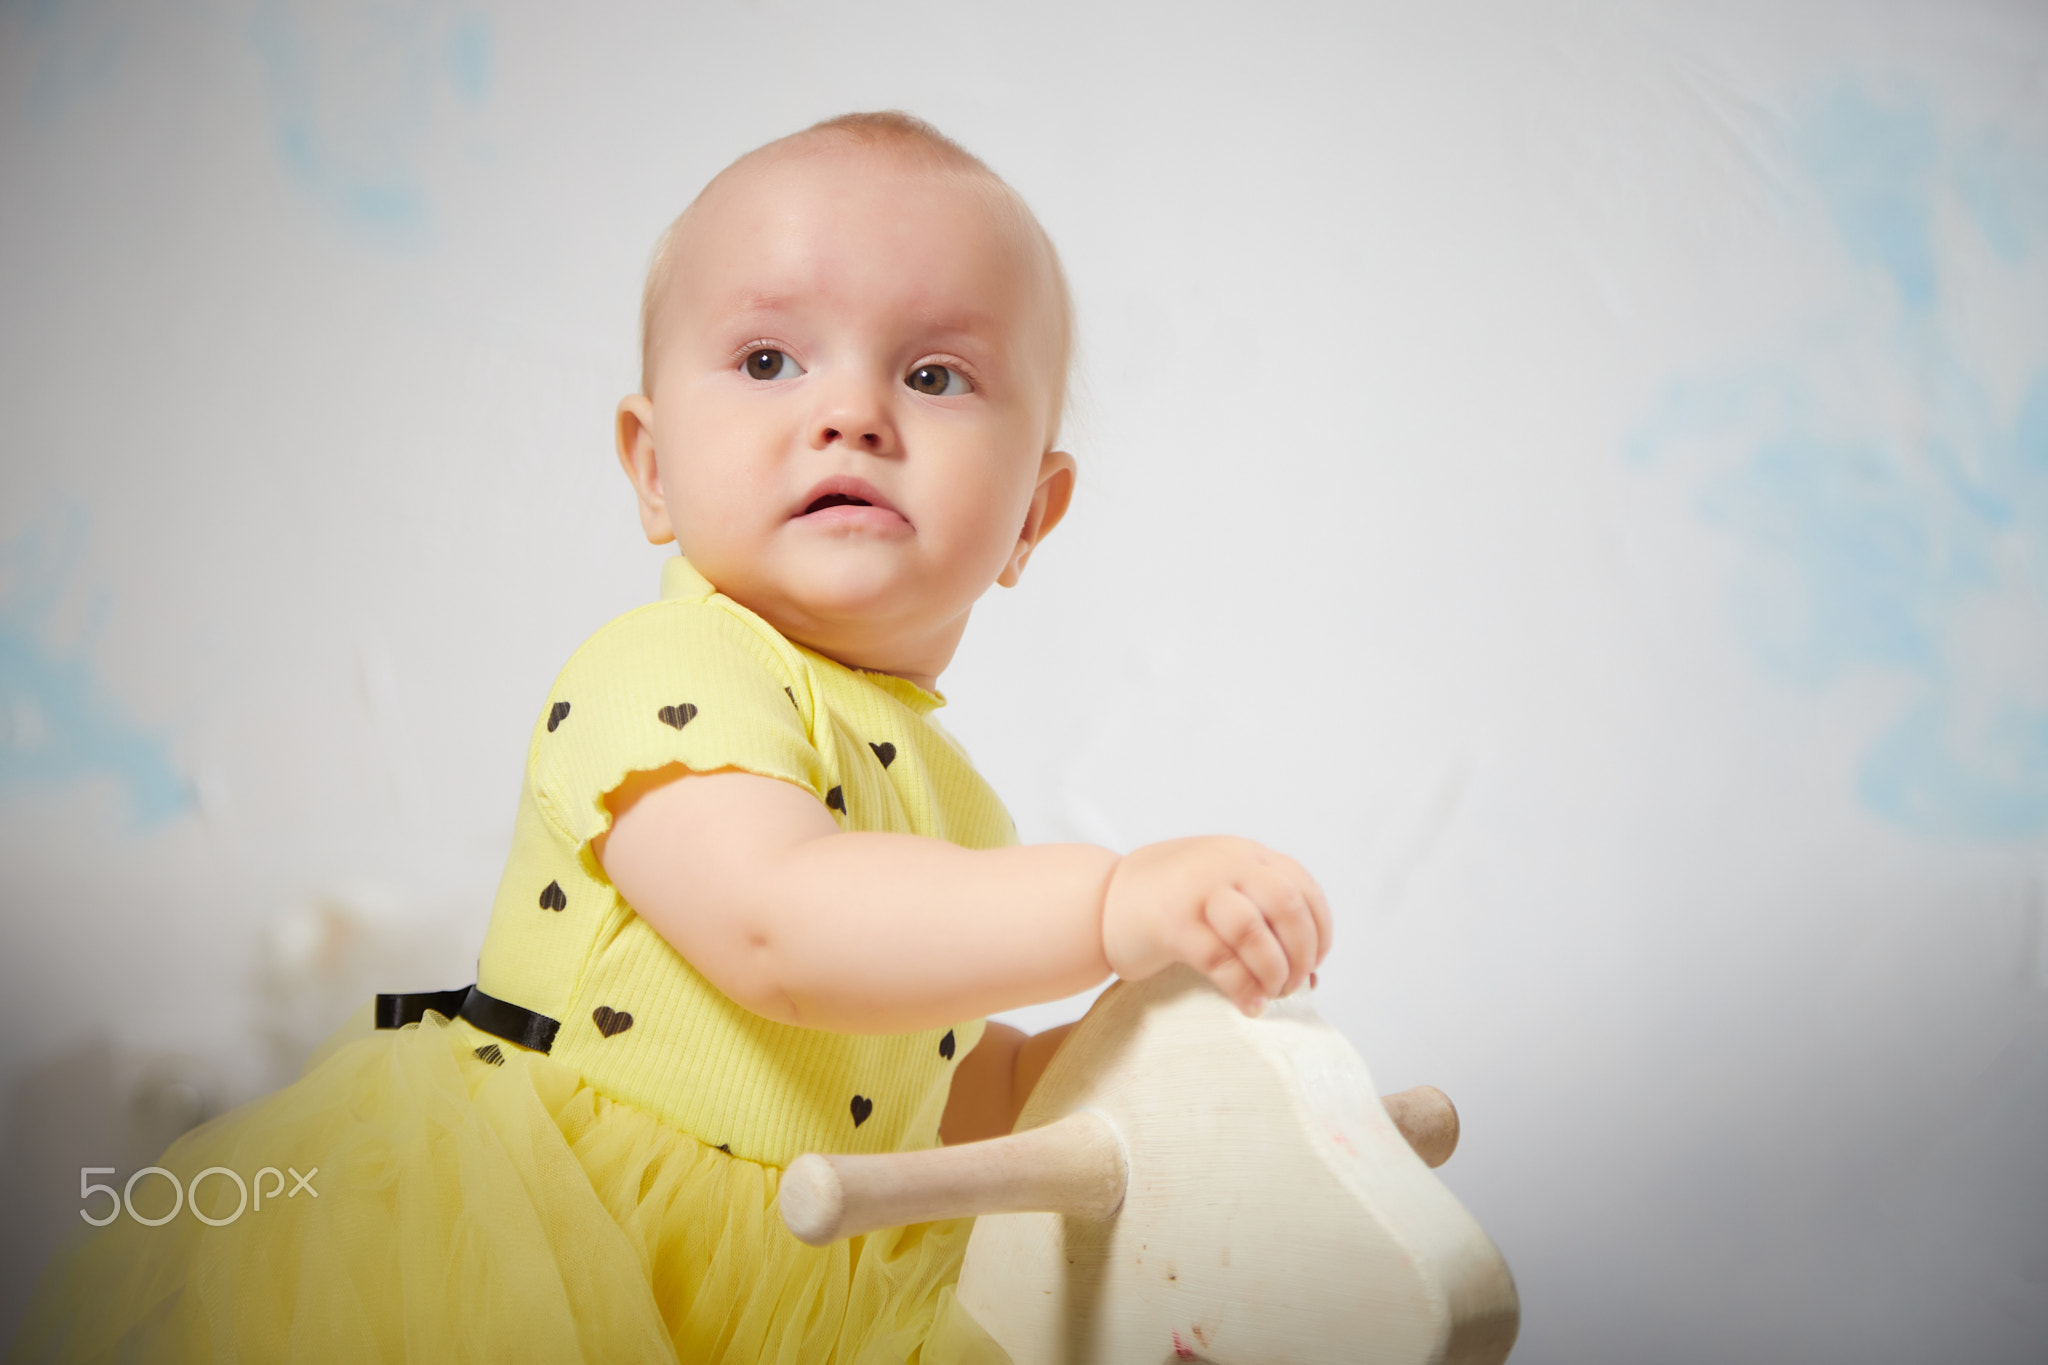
(993, 1081)
(982, 1102)
(752, 881)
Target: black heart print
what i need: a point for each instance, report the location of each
(679, 715)
(554, 898)
(492, 1053)
(610, 1021)
(884, 751)
(862, 1106)
(557, 713)
(836, 800)
(946, 1045)
(792, 698)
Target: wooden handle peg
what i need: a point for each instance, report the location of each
(1428, 1119)
(1073, 1166)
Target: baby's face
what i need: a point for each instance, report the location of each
(852, 404)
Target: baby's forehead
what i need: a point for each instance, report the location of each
(777, 189)
(838, 224)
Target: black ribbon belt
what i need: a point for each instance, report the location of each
(494, 1016)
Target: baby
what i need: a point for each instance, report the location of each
(757, 903)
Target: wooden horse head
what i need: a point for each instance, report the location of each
(1196, 1185)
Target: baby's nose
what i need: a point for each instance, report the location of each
(853, 418)
(870, 440)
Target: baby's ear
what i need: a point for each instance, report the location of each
(643, 467)
(1049, 501)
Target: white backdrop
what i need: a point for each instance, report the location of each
(1574, 474)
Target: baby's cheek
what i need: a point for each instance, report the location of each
(986, 510)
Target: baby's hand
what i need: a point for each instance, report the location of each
(1249, 919)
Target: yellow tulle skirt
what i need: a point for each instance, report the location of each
(465, 1211)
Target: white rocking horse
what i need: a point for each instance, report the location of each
(1187, 1184)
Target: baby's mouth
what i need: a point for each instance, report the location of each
(849, 500)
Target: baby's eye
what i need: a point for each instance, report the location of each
(940, 381)
(771, 364)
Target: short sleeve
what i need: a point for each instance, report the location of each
(676, 682)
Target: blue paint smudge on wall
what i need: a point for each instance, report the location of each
(469, 57)
(57, 723)
(2006, 192)
(1874, 167)
(1894, 512)
(356, 93)
(75, 47)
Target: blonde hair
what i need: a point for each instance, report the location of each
(897, 131)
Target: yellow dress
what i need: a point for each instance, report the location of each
(582, 1164)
